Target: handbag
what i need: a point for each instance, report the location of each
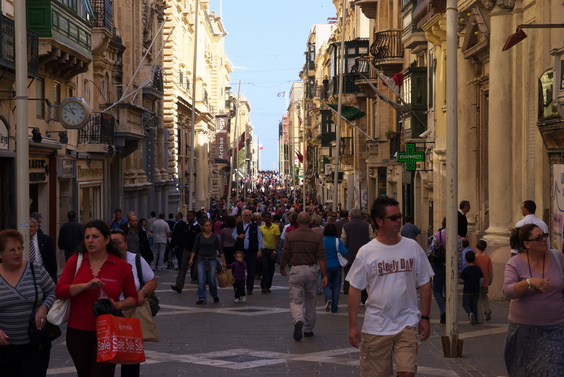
(41, 338)
(342, 260)
(148, 326)
(60, 311)
(119, 340)
(438, 255)
(152, 298)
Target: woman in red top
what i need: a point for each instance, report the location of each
(102, 274)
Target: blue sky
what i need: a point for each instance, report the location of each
(265, 42)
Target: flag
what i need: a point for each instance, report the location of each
(300, 120)
(393, 82)
(350, 113)
(261, 147)
(300, 156)
(241, 143)
(282, 94)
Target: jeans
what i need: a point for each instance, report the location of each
(331, 291)
(207, 277)
(439, 285)
(470, 303)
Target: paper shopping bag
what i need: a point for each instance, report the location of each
(148, 326)
(229, 275)
(120, 340)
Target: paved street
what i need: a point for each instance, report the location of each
(255, 339)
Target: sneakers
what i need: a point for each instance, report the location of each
(328, 305)
(471, 319)
(488, 315)
(215, 300)
(244, 298)
(176, 288)
(443, 318)
(236, 300)
(308, 334)
(200, 302)
(298, 331)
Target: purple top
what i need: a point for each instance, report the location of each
(226, 239)
(534, 308)
(238, 269)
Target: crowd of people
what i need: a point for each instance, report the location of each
(321, 250)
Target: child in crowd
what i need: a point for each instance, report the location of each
(239, 267)
(473, 280)
(485, 263)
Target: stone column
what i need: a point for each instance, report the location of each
(201, 164)
(500, 137)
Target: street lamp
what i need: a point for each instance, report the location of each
(519, 35)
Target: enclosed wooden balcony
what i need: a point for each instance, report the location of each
(8, 47)
(387, 49)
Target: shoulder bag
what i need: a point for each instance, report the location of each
(40, 338)
(342, 260)
(60, 311)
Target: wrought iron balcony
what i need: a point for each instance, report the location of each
(103, 11)
(387, 47)
(8, 47)
(155, 89)
(99, 130)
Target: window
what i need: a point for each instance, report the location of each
(40, 95)
(56, 93)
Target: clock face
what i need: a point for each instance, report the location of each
(73, 113)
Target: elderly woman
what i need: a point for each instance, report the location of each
(17, 289)
(102, 273)
(533, 282)
(149, 279)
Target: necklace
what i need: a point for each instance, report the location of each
(92, 270)
(543, 258)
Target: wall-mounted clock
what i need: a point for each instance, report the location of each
(74, 112)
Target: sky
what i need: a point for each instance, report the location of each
(266, 42)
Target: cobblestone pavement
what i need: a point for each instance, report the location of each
(255, 339)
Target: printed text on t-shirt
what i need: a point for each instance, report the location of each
(402, 265)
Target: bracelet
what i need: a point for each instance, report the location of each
(531, 286)
(426, 317)
(144, 291)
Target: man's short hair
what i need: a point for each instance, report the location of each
(378, 209)
(118, 210)
(71, 215)
(463, 204)
(530, 206)
(356, 213)
(470, 256)
(481, 245)
(161, 216)
(304, 218)
(344, 213)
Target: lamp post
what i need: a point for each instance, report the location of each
(193, 130)
(22, 142)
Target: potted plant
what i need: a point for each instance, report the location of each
(391, 134)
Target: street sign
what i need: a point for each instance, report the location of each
(411, 157)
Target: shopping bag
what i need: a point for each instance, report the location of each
(120, 340)
(222, 279)
(229, 275)
(148, 326)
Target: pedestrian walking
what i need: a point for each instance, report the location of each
(160, 231)
(303, 251)
(393, 269)
(473, 279)
(70, 235)
(485, 263)
(270, 237)
(248, 239)
(239, 267)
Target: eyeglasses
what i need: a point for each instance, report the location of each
(394, 217)
(539, 238)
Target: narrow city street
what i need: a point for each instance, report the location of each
(255, 339)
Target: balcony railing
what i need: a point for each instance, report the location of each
(8, 47)
(103, 11)
(99, 130)
(387, 46)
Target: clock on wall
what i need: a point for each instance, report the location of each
(74, 112)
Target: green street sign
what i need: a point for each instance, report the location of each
(411, 157)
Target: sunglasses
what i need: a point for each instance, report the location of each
(394, 217)
(539, 238)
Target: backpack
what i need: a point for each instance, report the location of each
(438, 256)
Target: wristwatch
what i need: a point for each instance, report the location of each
(426, 317)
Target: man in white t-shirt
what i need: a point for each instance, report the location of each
(528, 210)
(391, 268)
